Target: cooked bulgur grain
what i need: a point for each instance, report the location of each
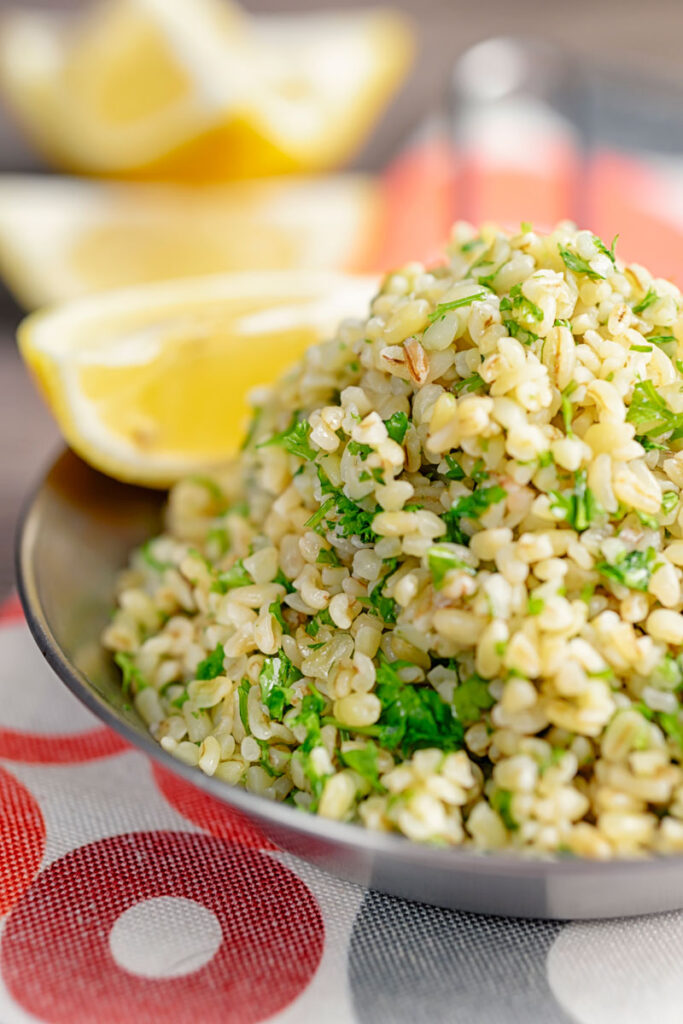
(439, 592)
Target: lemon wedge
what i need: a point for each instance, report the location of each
(61, 238)
(149, 383)
(194, 90)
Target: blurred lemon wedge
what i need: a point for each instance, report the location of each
(61, 238)
(194, 90)
(150, 383)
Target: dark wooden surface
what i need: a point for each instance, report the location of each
(638, 37)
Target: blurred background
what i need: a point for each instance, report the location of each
(313, 134)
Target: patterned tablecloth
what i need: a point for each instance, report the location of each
(126, 897)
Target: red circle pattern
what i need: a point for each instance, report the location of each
(22, 840)
(55, 957)
(34, 748)
(208, 813)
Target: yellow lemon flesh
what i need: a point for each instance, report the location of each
(192, 90)
(150, 383)
(61, 238)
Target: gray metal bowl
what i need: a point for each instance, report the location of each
(76, 534)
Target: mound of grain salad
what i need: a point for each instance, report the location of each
(440, 590)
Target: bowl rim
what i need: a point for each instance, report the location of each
(279, 815)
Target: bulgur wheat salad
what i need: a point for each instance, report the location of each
(440, 590)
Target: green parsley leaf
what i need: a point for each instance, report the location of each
(276, 678)
(210, 485)
(243, 697)
(573, 261)
(322, 618)
(601, 247)
(470, 506)
(545, 459)
(237, 576)
(133, 679)
(579, 507)
(179, 701)
(151, 560)
(275, 609)
(328, 557)
(469, 385)
(317, 517)
(648, 300)
(632, 569)
(455, 470)
(397, 425)
(445, 307)
(384, 607)
(650, 445)
(252, 429)
(660, 339)
(363, 761)
(471, 698)
(212, 665)
(219, 536)
(353, 520)
(640, 348)
(669, 501)
(478, 472)
(672, 726)
(567, 407)
(563, 323)
(649, 410)
(280, 578)
(535, 605)
(413, 716)
(501, 801)
(355, 448)
(441, 559)
(295, 439)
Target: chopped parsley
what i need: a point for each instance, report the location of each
(413, 716)
(295, 439)
(355, 448)
(219, 536)
(470, 506)
(535, 605)
(660, 339)
(316, 519)
(133, 679)
(651, 414)
(210, 485)
(445, 307)
(151, 560)
(384, 607)
(578, 507)
(308, 718)
(501, 801)
(632, 569)
(275, 609)
(455, 470)
(363, 761)
(353, 520)
(243, 698)
(237, 576)
(573, 261)
(397, 426)
(212, 665)
(669, 501)
(563, 323)
(640, 348)
(672, 726)
(601, 247)
(469, 385)
(441, 559)
(328, 557)
(648, 300)
(471, 698)
(321, 618)
(523, 313)
(567, 408)
(479, 473)
(276, 678)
